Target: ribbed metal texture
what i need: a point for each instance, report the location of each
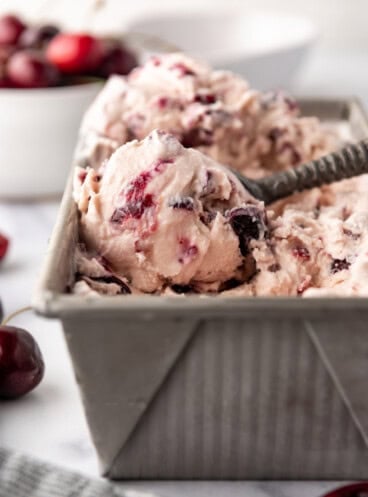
(348, 162)
(246, 400)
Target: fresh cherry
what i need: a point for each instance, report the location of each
(117, 60)
(29, 69)
(353, 490)
(37, 36)
(75, 53)
(4, 245)
(21, 364)
(10, 30)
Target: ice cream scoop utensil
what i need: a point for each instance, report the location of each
(347, 162)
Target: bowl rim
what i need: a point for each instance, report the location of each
(306, 36)
(51, 90)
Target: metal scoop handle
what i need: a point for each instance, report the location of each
(350, 161)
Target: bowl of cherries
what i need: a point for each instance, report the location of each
(47, 80)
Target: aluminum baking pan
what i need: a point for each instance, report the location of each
(211, 388)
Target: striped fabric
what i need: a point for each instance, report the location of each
(23, 476)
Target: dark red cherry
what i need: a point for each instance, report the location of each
(117, 60)
(10, 30)
(354, 490)
(29, 69)
(4, 245)
(37, 36)
(21, 363)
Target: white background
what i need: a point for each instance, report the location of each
(342, 23)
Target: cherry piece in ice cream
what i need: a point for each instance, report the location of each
(248, 223)
(21, 363)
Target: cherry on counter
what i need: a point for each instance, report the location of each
(4, 245)
(21, 363)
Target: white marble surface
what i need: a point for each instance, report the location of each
(49, 423)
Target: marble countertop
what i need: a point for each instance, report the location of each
(49, 423)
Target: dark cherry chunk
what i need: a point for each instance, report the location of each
(275, 133)
(182, 288)
(230, 284)
(248, 223)
(207, 217)
(132, 210)
(197, 137)
(137, 201)
(350, 234)
(294, 154)
(124, 289)
(339, 265)
(273, 268)
(182, 69)
(82, 176)
(301, 252)
(186, 203)
(205, 98)
(187, 251)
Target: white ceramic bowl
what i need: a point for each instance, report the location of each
(267, 48)
(38, 133)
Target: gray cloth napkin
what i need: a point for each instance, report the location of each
(23, 476)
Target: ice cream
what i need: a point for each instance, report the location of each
(164, 216)
(213, 111)
(318, 245)
(160, 215)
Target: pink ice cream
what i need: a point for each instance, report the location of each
(213, 111)
(162, 216)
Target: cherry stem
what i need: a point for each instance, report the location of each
(14, 314)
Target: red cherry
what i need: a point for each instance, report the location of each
(21, 363)
(10, 30)
(117, 60)
(75, 53)
(353, 490)
(29, 69)
(4, 245)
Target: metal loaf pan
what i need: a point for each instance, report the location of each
(211, 388)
